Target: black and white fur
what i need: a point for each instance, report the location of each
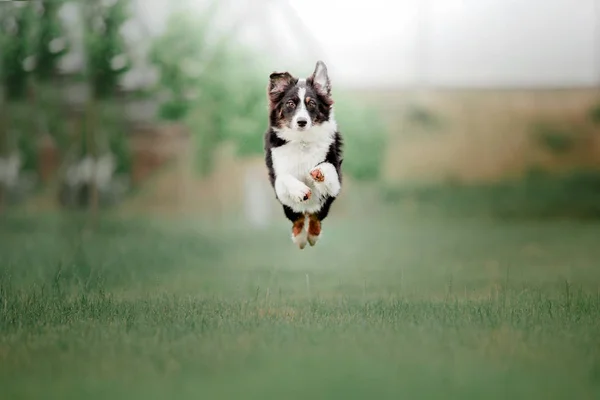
(303, 150)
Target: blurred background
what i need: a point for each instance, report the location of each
(489, 103)
(143, 253)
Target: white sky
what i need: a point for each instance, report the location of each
(470, 42)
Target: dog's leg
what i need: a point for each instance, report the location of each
(314, 229)
(299, 234)
(326, 179)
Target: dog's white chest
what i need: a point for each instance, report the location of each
(298, 158)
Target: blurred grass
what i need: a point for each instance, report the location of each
(387, 304)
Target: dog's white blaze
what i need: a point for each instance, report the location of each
(301, 111)
(294, 161)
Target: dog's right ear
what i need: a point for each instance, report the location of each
(279, 82)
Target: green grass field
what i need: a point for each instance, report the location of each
(388, 305)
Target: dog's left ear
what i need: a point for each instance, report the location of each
(320, 78)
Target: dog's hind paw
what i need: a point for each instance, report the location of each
(300, 240)
(314, 230)
(312, 240)
(299, 234)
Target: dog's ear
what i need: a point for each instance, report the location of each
(320, 79)
(279, 82)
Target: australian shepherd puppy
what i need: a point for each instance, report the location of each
(303, 150)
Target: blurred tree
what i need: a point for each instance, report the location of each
(16, 20)
(105, 47)
(50, 40)
(16, 47)
(49, 45)
(179, 54)
(32, 43)
(107, 60)
(209, 84)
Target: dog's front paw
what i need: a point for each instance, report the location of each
(317, 175)
(300, 193)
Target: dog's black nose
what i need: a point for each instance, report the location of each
(302, 122)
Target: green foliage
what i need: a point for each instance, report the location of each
(211, 87)
(365, 138)
(32, 33)
(114, 126)
(105, 49)
(31, 43)
(111, 135)
(574, 194)
(50, 100)
(422, 116)
(595, 114)
(119, 146)
(179, 54)
(234, 103)
(554, 139)
(26, 143)
(22, 133)
(50, 39)
(16, 45)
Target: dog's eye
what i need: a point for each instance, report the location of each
(311, 104)
(290, 104)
